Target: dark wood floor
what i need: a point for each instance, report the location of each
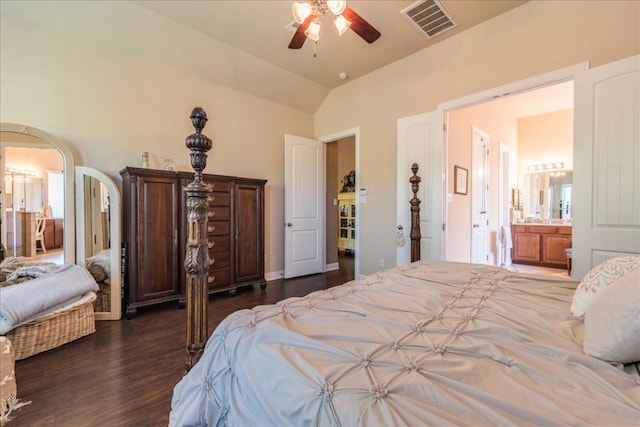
(124, 373)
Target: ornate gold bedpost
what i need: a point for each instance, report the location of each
(196, 263)
(415, 214)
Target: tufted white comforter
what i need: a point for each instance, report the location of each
(426, 344)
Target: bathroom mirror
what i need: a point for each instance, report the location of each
(98, 221)
(547, 195)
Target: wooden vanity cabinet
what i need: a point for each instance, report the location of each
(540, 244)
(53, 233)
(155, 232)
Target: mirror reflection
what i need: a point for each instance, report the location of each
(97, 241)
(547, 196)
(98, 225)
(33, 201)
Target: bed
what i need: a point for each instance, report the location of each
(44, 305)
(427, 343)
(430, 343)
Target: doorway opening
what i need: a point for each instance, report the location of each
(536, 127)
(341, 211)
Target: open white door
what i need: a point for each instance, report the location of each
(480, 197)
(606, 159)
(420, 140)
(304, 180)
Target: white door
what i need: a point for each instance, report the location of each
(421, 141)
(606, 160)
(480, 197)
(304, 180)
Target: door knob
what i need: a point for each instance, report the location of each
(288, 224)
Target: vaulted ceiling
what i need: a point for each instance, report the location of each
(243, 43)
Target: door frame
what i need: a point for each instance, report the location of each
(355, 133)
(536, 82)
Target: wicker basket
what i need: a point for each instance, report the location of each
(103, 298)
(52, 330)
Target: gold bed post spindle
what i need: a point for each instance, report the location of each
(196, 263)
(415, 214)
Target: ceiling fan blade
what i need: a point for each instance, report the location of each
(360, 26)
(299, 37)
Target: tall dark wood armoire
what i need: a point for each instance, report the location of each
(155, 227)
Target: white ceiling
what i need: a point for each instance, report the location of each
(243, 43)
(258, 27)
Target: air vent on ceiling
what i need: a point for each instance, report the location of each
(430, 16)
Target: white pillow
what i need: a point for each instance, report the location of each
(612, 323)
(599, 278)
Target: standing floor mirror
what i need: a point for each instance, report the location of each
(98, 238)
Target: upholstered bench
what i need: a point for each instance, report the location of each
(8, 389)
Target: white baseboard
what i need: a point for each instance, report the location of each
(332, 267)
(274, 275)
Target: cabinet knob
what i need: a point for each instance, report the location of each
(288, 224)
(210, 279)
(476, 225)
(211, 244)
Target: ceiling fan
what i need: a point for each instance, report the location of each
(307, 16)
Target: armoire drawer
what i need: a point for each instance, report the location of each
(220, 213)
(217, 278)
(218, 260)
(217, 228)
(218, 198)
(218, 244)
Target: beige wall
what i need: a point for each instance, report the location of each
(495, 120)
(537, 38)
(547, 138)
(38, 160)
(110, 108)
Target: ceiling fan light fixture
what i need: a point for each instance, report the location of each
(313, 32)
(301, 11)
(342, 24)
(337, 6)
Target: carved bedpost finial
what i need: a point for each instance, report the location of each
(198, 143)
(196, 263)
(415, 214)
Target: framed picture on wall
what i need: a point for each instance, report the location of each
(460, 180)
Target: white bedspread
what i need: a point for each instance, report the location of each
(427, 344)
(27, 300)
